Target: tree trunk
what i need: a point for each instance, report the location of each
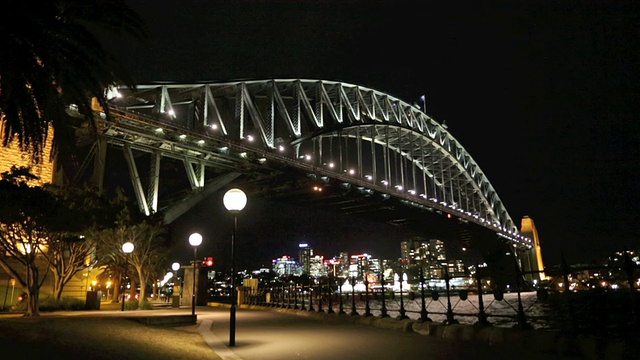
(117, 284)
(58, 285)
(143, 287)
(33, 291)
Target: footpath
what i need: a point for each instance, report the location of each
(274, 333)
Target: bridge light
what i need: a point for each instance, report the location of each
(307, 157)
(200, 142)
(249, 138)
(171, 113)
(351, 171)
(399, 187)
(368, 177)
(112, 93)
(281, 148)
(159, 130)
(384, 182)
(412, 192)
(449, 216)
(182, 137)
(331, 165)
(213, 126)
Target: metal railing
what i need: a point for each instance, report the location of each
(548, 307)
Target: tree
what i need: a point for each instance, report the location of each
(45, 227)
(74, 248)
(67, 256)
(53, 58)
(149, 255)
(150, 248)
(26, 216)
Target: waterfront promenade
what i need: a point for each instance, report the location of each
(264, 334)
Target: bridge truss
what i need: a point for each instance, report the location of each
(359, 136)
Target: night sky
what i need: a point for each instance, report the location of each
(543, 94)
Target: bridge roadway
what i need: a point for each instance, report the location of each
(265, 334)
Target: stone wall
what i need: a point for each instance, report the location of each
(12, 156)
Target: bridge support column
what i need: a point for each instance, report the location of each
(99, 164)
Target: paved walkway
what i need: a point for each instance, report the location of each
(265, 334)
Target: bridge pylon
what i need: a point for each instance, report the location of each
(531, 258)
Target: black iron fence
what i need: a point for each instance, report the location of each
(545, 306)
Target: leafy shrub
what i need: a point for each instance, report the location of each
(146, 305)
(134, 305)
(66, 303)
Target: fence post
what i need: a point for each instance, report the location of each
(367, 308)
(383, 311)
(450, 319)
(302, 299)
(353, 296)
(482, 316)
(629, 266)
(402, 314)
(311, 308)
(341, 305)
(319, 296)
(565, 276)
(330, 282)
(424, 315)
(522, 320)
(295, 296)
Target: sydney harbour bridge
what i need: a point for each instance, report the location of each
(332, 145)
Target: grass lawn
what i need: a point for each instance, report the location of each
(94, 338)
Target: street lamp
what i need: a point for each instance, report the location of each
(234, 200)
(127, 248)
(175, 267)
(195, 240)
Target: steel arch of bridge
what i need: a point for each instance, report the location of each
(343, 131)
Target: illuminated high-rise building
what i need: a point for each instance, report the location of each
(284, 265)
(435, 259)
(305, 253)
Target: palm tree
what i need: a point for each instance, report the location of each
(52, 58)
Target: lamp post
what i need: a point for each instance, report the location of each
(127, 248)
(234, 200)
(195, 240)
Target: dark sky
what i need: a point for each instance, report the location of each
(543, 94)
